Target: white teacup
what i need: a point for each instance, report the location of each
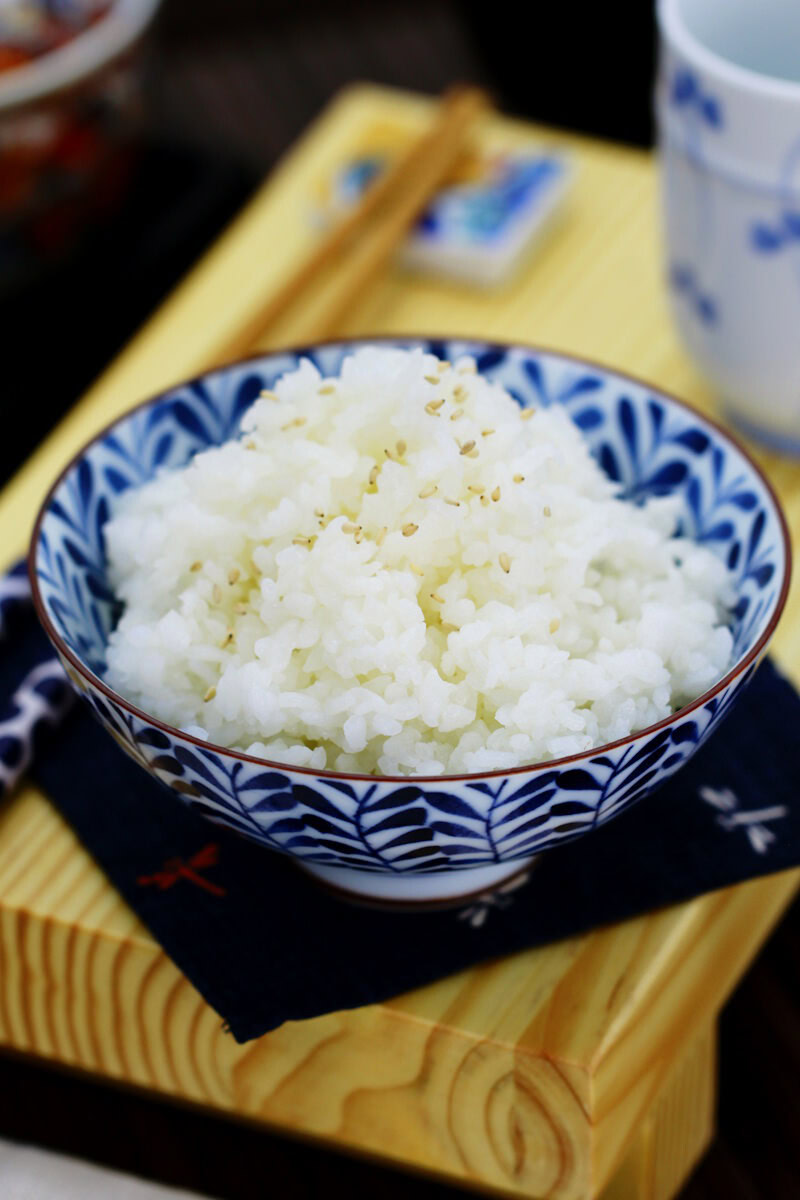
(728, 107)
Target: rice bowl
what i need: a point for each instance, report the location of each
(402, 837)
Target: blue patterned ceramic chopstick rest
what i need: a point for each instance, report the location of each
(263, 944)
(481, 225)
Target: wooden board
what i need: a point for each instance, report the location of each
(579, 1069)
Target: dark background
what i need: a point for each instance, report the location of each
(232, 85)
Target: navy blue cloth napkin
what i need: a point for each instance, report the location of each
(264, 944)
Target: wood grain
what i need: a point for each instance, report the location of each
(557, 1072)
(676, 1132)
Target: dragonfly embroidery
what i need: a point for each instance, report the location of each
(477, 912)
(175, 869)
(753, 822)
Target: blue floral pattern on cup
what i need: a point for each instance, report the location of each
(687, 92)
(649, 443)
(683, 281)
(783, 232)
(701, 113)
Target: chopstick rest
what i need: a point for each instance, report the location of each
(481, 224)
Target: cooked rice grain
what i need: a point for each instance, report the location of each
(557, 618)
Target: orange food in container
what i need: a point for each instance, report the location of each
(70, 113)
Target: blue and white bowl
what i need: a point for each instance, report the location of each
(415, 838)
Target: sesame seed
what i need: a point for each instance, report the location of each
(294, 424)
(240, 608)
(433, 406)
(327, 390)
(526, 414)
(301, 540)
(409, 530)
(432, 379)
(473, 453)
(226, 641)
(373, 475)
(467, 369)
(519, 478)
(250, 446)
(380, 536)
(388, 453)
(457, 415)
(455, 503)
(444, 364)
(459, 392)
(554, 624)
(548, 512)
(505, 562)
(210, 694)
(496, 493)
(435, 596)
(358, 536)
(487, 432)
(318, 512)
(233, 575)
(416, 569)
(428, 491)
(216, 594)
(401, 448)
(267, 395)
(467, 447)
(196, 566)
(477, 488)
(349, 527)
(485, 501)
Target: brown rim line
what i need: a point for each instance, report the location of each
(403, 340)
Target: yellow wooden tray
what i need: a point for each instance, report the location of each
(582, 1069)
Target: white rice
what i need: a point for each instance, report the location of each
(486, 601)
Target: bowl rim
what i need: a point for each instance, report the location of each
(81, 57)
(402, 340)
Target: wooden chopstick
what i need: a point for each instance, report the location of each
(373, 229)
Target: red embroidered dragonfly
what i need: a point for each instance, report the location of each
(176, 868)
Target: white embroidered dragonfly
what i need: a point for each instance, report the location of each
(753, 822)
(477, 912)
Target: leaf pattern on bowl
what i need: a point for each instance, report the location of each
(646, 442)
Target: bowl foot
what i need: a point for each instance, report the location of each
(449, 889)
